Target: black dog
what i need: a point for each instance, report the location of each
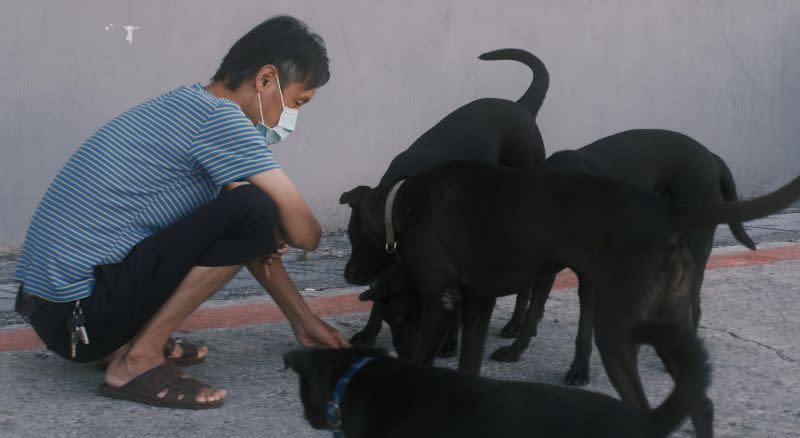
(393, 398)
(626, 246)
(666, 163)
(488, 130)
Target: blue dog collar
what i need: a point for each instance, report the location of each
(334, 414)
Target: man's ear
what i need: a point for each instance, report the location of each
(353, 197)
(265, 76)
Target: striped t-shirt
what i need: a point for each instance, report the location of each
(139, 173)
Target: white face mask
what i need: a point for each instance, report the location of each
(285, 125)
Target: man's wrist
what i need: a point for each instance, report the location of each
(299, 316)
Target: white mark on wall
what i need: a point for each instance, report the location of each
(128, 28)
(129, 36)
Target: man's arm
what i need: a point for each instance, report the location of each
(309, 329)
(297, 224)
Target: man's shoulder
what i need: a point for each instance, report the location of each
(193, 100)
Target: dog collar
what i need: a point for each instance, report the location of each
(333, 411)
(391, 242)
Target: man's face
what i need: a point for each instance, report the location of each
(295, 95)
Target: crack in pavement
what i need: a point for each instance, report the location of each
(780, 353)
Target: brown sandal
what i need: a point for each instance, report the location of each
(190, 355)
(144, 388)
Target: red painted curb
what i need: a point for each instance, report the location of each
(256, 314)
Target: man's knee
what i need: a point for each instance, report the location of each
(257, 204)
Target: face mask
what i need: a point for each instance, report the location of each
(285, 125)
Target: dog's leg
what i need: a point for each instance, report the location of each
(619, 356)
(679, 309)
(541, 292)
(703, 420)
(432, 329)
(702, 417)
(578, 373)
(450, 346)
(476, 313)
(367, 335)
(699, 244)
(514, 326)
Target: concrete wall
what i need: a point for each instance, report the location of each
(726, 72)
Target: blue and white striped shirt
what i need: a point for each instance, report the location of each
(141, 172)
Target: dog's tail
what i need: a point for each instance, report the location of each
(685, 217)
(728, 188)
(534, 97)
(692, 372)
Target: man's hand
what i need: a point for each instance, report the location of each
(314, 332)
(310, 330)
(268, 260)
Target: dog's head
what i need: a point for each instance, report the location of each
(367, 234)
(318, 370)
(396, 302)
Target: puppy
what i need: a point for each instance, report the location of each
(393, 398)
(626, 246)
(489, 130)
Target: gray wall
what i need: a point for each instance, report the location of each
(726, 72)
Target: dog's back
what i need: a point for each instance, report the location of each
(650, 159)
(393, 398)
(667, 163)
(488, 130)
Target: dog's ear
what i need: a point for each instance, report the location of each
(353, 197)
(297, 360)
(376, 293)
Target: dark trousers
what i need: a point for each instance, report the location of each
(235, 228)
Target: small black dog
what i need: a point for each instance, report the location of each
(489, 130)
(393, 398)
(626, 245)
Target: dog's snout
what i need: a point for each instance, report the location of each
(356, 276)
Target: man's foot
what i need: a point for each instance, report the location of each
(166, 386)
(182, 353)
(129, 365)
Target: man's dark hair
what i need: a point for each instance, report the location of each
(283, 41)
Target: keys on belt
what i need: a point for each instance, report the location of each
(26, 304)
(77, 330)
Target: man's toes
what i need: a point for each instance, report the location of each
(202, 351)
(210, 396)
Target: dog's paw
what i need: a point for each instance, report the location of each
(451, 299)
(577, 376)
(363, 339)
(506, 354)
(448, 350)
(511, 330)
